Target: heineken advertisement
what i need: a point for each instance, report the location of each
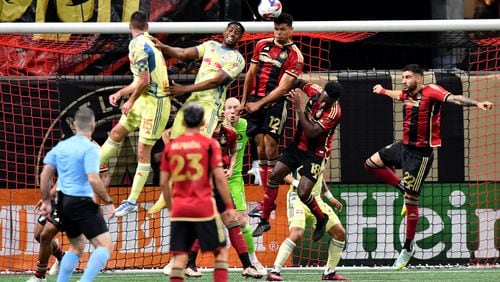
(458, 224)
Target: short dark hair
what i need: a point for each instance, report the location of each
(193, 114)
(238, 24)
(414, 68)
(284, 18)
(85, 119)
(139, 20)
(333, 90)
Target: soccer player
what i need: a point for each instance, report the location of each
(227, 139)
(46, 229)
(147, 108)
(236, 184)
(275, 64)
(311, 148)
(298, 215)
(76, 161)
(191, 161)
(221, 64)
(414, 154)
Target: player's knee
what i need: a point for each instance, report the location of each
(304, 195)
(273, 183)
(296, 234)
(338, 232)
(37, 236)
(369, 163)
(411, 199)
(45, 237)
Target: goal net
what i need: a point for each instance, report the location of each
(45, 78)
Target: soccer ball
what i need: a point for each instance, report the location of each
(269, 9)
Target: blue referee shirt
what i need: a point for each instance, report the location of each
(73, 159)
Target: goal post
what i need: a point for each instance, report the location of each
(49, 70)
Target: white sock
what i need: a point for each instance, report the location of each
(253, 258)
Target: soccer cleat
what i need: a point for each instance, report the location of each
(158, 206)
(274, 276)
(54, 269)
(125, 208)
(403, 258)
(251, 272)
(333, 276)
(192, 271)
(167, 270)
(260, 268)
(403, 210)
(263, 226)
(36, 279)
(319, 231)
(257, 211)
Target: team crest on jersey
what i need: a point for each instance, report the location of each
(223, 139)
(283, 55)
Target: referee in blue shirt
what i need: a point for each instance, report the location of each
(76, 161)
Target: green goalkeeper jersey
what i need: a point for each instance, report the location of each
(241, 131)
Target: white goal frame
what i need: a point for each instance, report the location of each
(254, 27)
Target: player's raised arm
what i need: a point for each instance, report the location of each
(394, 94)
(468, 102)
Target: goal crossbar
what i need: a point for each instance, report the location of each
(253, 27)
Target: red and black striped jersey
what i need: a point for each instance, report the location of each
(227, 139)
(422, 116)
(327, 117)
(190, 160)
(273, 61)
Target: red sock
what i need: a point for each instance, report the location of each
(384, 174)
(270, 196)
(176, 279)
(314, 207)
(220, 275)
(237, 240)
(411, 221)
(196, 246)
(41, 269)
(264, 176)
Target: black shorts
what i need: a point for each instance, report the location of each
(269, 120)
(414, 162)
(80, 215)
(210, 234)
(312, 164)
(53, 218)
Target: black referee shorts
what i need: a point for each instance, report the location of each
(80, 215)
(414, 162)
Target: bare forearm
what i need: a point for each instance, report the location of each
(247, 86)
(204, 85)
(306, 124)
(99, 190)
(45, 176)
(138, 89)
(274, 95)
(175, 52)
(462, 101)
